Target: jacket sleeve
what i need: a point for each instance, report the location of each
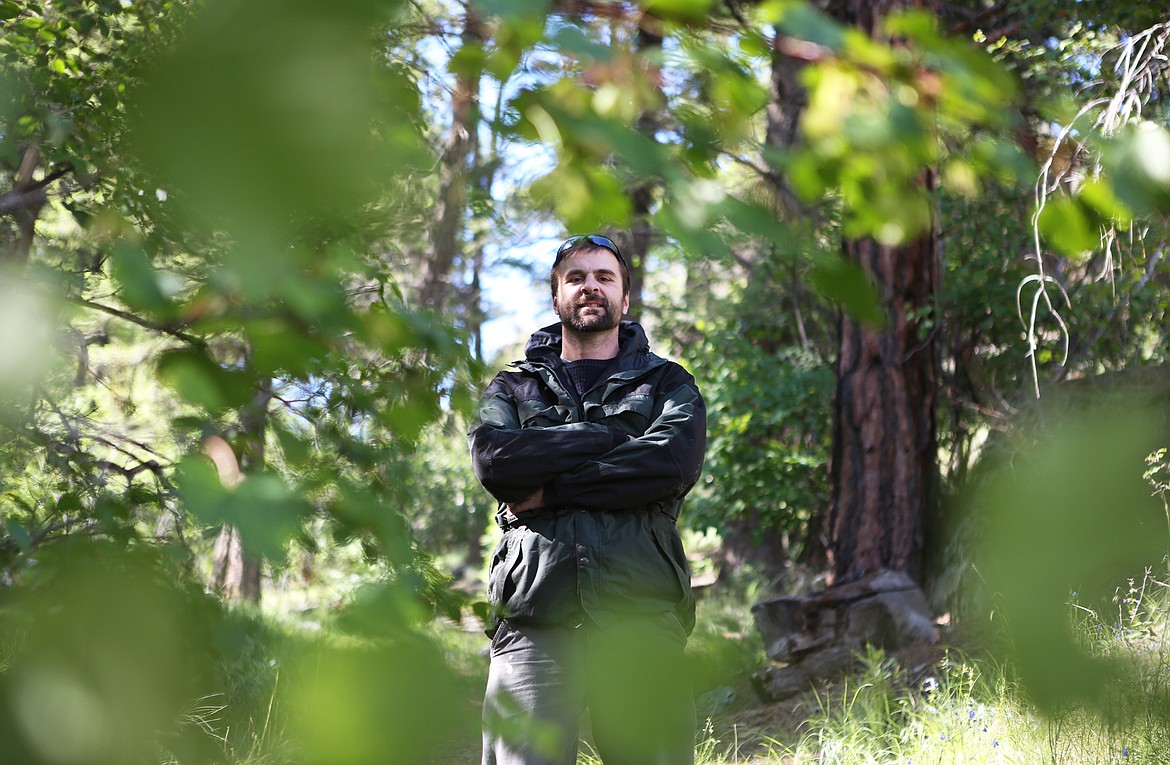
(512, 461)
(663, 463)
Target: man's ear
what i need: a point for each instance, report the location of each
(625, 305)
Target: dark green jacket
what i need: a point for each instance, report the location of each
(614, 464)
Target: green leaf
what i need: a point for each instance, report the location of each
(19, 534)
(262, 508)
(1068, 228)
(267, 514)
(804, 22)
(752, 43)
(679, 10)
(202, 382)
(760, 221)
(1071, 513)
(200, 489)
(132, 270)
(843, 282)
(573, 40)
(303, 96)
(1099, 195)
(512, 11)
(278, 347)
(353, 708)
(468, 61)
(79, 213)
(918, 25)
(586, 197)
(296, 449)
(1137, 162)
(362, 510)
(108, 637)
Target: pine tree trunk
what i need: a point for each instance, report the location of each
(885, 450)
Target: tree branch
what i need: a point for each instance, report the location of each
(140, 321)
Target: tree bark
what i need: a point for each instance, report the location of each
(24, 202)
(746, 542)
(640, 236)
(236, 573)
(885, 450)
(636, 246)
(455, 168)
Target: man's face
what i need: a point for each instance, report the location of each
(590, 296)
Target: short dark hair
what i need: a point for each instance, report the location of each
(581, 243)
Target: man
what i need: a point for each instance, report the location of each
(590, 445)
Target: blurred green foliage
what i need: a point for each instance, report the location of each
(223, 230)
(1069, 514)
(215, 323)
(108, 652)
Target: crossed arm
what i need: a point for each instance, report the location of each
(589, 464)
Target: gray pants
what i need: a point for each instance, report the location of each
(631, 677)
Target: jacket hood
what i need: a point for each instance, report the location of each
(633, 347)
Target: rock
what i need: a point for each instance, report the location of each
(778, 683)
(819, 634)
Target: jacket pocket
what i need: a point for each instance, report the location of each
(536, 576)
(669, 545)
(670, 548)
(536, 413)
(631, 414)
(504, 560)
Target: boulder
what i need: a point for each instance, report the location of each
(819, 634)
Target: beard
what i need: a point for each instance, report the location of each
(594, 315)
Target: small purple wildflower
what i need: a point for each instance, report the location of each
(1125, 752)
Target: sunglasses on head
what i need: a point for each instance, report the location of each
(597, 239)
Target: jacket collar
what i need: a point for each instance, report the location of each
(544, 347)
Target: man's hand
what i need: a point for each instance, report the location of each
(533, 501)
